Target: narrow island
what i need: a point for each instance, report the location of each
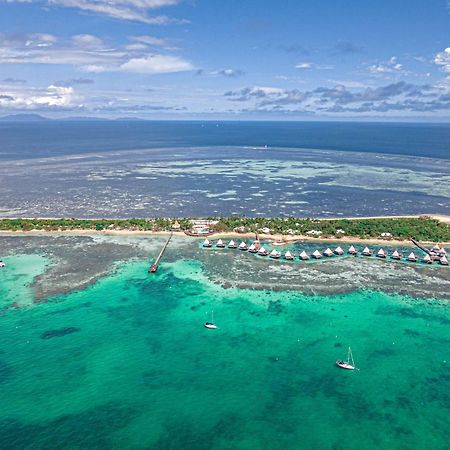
(399, 229)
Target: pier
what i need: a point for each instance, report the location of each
(155, 265)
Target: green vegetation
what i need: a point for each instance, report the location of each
(420, 228)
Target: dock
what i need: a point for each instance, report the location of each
(155, 265)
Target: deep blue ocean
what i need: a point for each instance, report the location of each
(198, 169)
(42, 139)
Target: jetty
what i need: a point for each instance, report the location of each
(155, 265)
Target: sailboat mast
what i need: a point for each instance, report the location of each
(212, 316)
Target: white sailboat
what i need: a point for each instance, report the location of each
(349, 364)
(211, 325)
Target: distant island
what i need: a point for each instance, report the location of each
(38, 118)
(423, 228)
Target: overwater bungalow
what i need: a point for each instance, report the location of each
(232, 244)
(381, 253)
(243, 246)
(352, 250)
(207, 243)
(443, 261)
(328, 252)
(427, 259)
(262, 252)
(304, 256)
(275, 254)
(338, 251)
(317, 254)
(367, 251)
(220, 243)
(253, 249)
(289, 256)
(396, 255)
(412, 257)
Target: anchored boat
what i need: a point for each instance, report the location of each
(211, 325)
(349, 364)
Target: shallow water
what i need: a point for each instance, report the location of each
(127, 363)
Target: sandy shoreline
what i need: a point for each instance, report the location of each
(283, 239)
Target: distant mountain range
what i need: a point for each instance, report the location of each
(39, 118)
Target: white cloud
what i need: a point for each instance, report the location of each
(89, 53)
(87, 41)
(309, 65)
(134, 10)
(442, 59)
(303, 66)
(156, 64)
(51, 97)
(388, 67)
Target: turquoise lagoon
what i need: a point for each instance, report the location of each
(127, 363)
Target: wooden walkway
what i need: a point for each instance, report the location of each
(155, 265)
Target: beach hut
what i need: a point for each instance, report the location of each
(317, 254)
(262, 252)
(396, 255)
(367, 251)
(412, 257)
(275, 254)
(220, 243)
(232, 244)
(304, 256)
(207, 243)
(381, 253)
(253, 249)
(427, 259)
(352, 250)
(338, 251)
(328, 252)
(289, 256)
(443, 260)
(243, 246)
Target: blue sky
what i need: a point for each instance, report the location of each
(226, 59)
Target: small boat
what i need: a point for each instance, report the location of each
(396, 255)
(443, 261)
(253, 249)
(262, 252)
(275, 254)
(232, 244)
(220, 244)
(207, 243)
(304, 256)
(367, 251)
(427, 259)
(381, 253)
(349, 364)
(288, 256)
(211, 325)
(243, 246)
(412, 257)
(328, 252)
(338, 251)
(2, 264)
(317, 254)
(352, 251)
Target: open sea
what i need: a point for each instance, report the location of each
(95, 353)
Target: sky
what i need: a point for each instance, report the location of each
(226, 59)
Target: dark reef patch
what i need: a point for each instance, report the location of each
(91, 429)
(59, 332)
